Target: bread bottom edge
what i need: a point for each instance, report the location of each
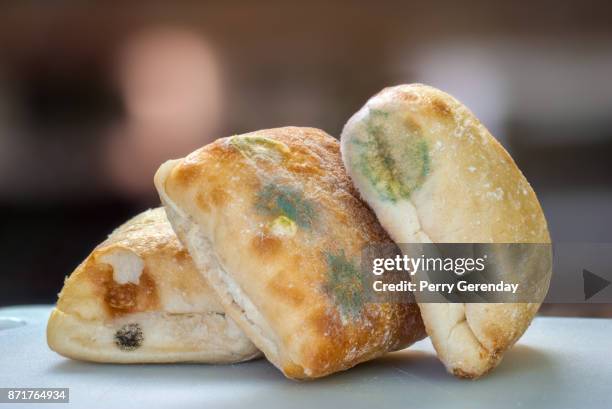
(153, 337)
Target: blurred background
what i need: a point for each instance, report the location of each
(94, 97)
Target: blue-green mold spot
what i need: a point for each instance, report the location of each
(345, 283)
(394, 158)
(276, 200)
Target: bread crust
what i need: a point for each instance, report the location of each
(205, 337)
(141, 280)
(287, 229)
(445, 179)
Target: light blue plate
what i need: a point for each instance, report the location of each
(559, 363)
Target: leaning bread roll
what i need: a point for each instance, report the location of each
(433, 173)
(280, 215)
(138, 298)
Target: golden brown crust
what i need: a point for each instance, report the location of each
(287, 231)
(445, 179)
(169, 278)
(140, 287)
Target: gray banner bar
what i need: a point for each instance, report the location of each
(487, 272)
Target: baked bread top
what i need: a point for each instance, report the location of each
(141, 267)
(416, 144)
(287, 229)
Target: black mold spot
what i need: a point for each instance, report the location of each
(129, 337)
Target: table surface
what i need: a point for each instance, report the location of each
(559, 363)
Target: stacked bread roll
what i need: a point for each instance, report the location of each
(138, 298)
(266, 239)
(432, 173)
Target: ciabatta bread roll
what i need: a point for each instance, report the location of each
(138, 298)
(279, 213)
(433, 173)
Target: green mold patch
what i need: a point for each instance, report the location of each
(276, 200)
(255, 146)
(344, 283)
(379, 113)
(392, 157)
(283, 226)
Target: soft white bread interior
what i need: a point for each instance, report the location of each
(138, 298)
(150, 337)
(237, 304)
(432, 173)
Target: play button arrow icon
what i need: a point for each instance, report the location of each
(593, 284)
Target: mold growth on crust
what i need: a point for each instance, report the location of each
(129, 337)
(393, 156)
(274, 200)
(344, 283)
(283, 226)
(254, 146)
